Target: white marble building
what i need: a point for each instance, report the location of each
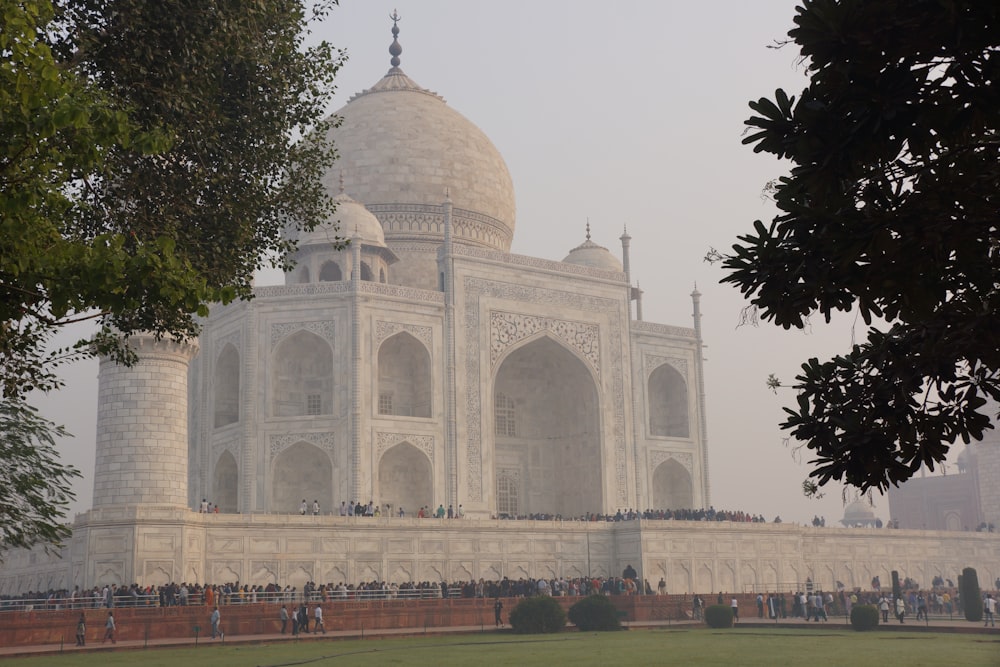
(425, 365)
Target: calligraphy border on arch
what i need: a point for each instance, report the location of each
(280, 442)
(684, 458)
(323, 328)
(384, 330)
(385, 441)
(508, 329)
(653, 362)
(475, 289)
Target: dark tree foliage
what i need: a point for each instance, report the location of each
(891, 208)
(537, 615)
(152, 156)
(971, 595)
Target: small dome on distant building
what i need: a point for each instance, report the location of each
(351, 220)
(590, 254)
(859, 513)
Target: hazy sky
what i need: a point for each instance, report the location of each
(626, 113)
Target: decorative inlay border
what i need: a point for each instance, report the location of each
(324, 329)
(506, 329)
(642, 326)
(684, 458)
(385, 329)
(303, 289)
(538, 263)
(232, 338)
(281, 442)
(385, 441)
(475, 289)
(231, 445)
(653, 362)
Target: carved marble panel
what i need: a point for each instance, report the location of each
(385, 329)
(652, 362)
(684, 458)
(506, 329)
(324, 329)
(281, 442)
(384, 441)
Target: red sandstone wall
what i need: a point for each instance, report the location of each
(52, 627)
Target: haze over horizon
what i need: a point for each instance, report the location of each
(621, 115)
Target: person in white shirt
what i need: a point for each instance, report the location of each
(318, 616)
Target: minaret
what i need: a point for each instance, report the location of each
(447, 268)
(699, 363)
(626, 242)
(142, 425)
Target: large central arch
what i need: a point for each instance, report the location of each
(548, 438)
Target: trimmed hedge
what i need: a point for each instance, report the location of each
(864, 617)
(594, 612)
(719, 616)
(537, 615)
(972, 597)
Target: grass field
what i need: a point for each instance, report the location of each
(725, 648)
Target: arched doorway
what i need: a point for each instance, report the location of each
(548, 436)
(226, 484)
(330, 272)
(303, 471)
(405, 479)
(404, 377)
(227, 387)
(672, 489)
(668, 403)
(302, 376)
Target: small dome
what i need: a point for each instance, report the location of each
(590, 254)
(858, 513)
(352, 220)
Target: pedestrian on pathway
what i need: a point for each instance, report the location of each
(283, 617)
(109, 629)
(498, 613)
(81, 631)
(318, 620)
(216, 618)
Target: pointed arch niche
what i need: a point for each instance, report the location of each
(404, 377)
(227, 387)
(330, 272)
(302, 471)
(672, 488)
(554, 442)
(405, 479)
(668, 403)
(302, 376)
(226, 483)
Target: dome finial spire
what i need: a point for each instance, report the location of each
(341, 181)
(395, 49)
(588, 229)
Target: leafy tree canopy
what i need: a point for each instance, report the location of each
(153, 156)
(891, 208)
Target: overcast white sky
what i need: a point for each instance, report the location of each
(626, 113)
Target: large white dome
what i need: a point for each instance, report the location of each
(402, 149)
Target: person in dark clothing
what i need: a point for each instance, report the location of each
(497, 612)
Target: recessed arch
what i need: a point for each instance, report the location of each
(404, 377)
(303, 275)
(405, 479)
(302, 471)
(227, 386)
(330, 272)
(668, 403)
(302, 376)
(366, 272)
(556, 443)
(672, 488)
(226, 483)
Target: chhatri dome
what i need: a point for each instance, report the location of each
(401, 148)
(858, 513)
(594, 256)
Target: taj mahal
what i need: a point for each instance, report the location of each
(423, 365)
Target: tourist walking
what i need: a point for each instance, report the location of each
(497, 613)
(283, 617)
(215, 619)
(989, 610)
(81, 631)
(318, 620)
(109, 629)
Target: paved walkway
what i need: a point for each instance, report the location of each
(941, 624)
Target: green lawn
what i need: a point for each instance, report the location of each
(725, 648)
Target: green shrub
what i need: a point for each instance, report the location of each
(594, 612)
(536, 615)
(719, 616)
(972, 597)
(864, 617)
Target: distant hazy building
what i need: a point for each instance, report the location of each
(966, 500)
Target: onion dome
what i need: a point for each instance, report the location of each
(590, 254)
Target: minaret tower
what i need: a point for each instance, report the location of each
(142, 425)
